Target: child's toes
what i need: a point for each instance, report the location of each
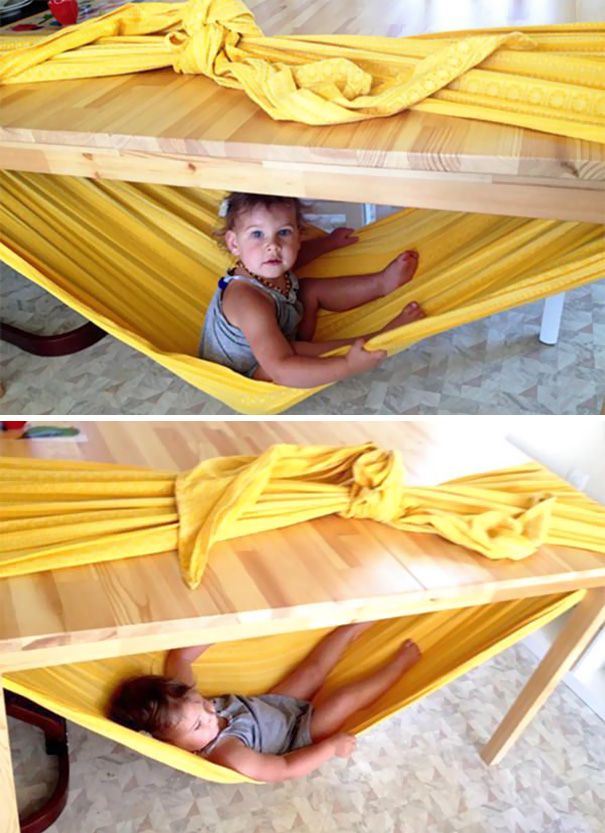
(414, 311)
(409, 654)
(411, 647)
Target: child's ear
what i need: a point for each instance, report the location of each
(231, 242)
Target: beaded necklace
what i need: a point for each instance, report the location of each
(265, 281)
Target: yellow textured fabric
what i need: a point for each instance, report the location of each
(140, 262)
(452, 642)
(62, 513)
(500, 75)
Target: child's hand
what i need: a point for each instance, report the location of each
(177, 664)
(344, 745)
(341, 237)
(360, 360)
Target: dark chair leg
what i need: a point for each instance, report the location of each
(55, 733)
(58, 345)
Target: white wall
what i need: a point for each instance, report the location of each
(572, 447)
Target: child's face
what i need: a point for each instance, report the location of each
(266, 240)
(198, 724)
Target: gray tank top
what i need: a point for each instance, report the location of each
(273, 724)
(226, 344)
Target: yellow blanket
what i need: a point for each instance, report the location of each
(547, 78)
(58, 513)
(452, 642)
(140, 261)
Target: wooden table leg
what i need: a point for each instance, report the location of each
(9, 817)
(583, 623)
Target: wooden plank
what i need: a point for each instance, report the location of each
(477, 192)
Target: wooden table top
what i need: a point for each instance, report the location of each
(315, 574)
(159, 126)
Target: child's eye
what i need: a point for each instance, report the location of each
(257, 233)
(285, 232)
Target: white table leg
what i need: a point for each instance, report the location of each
(582, 625)
(369, 213)
(551, 318)
(9, 818)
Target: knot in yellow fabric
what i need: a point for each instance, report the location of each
(377, 489)
(207, 28)
(61, 513)
(334, 79)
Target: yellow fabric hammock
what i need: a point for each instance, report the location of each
(452, 642)
(139, 260)
(56, 513)
(548, 78)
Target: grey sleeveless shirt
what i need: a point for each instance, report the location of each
(226, 344)
(273, 724)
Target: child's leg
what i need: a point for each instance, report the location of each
(337, 294)
(305, 680)
(411, 312)
(330, 714)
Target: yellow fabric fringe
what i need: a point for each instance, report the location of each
(139, 260)
(58, 513)
(452, 642)
(548, 78)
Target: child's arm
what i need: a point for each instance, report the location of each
(235, 755)
(177, 664)
(311, 249)
(255, 316)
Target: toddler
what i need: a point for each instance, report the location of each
(286, 733)
(261, 320)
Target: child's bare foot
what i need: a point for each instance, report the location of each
(411, 312)
(399, 271)
(408, 655)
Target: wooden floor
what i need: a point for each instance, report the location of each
(401, 18)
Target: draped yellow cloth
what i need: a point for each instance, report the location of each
(58, 513)
(139, 260)
(548, 78)
(453, 642)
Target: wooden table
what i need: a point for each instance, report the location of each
(330, 571)
(182, 130)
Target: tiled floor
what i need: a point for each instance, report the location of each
(493, 366)
(419, 772)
